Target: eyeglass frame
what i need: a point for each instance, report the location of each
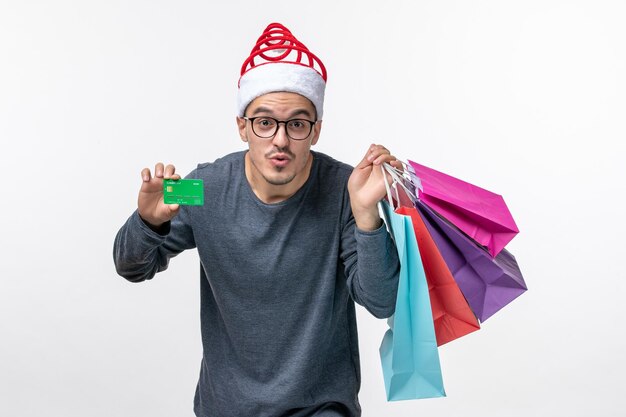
(278, 122)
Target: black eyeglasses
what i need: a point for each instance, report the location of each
(266, 127)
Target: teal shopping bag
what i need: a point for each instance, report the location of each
(408, 352)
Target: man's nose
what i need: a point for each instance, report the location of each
(280, 138)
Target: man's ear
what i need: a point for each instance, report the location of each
(241, 125)
(317, 129)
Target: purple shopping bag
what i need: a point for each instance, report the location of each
(487, 283)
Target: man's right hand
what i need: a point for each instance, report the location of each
(152, 209)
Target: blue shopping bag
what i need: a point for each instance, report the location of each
(408, 352)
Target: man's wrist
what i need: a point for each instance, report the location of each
(162, 229)
(367, 220)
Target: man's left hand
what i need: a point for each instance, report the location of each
(366, 186)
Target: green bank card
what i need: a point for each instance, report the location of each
(186, 192)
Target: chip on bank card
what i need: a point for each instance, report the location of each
(186, 192)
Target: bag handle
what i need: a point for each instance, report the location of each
(407, 174)
(398, 178)
(389, 197)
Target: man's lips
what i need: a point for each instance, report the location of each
(280, 159)
(280, 156)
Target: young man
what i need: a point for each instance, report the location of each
(288, 239)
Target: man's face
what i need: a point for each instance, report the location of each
(279, 161)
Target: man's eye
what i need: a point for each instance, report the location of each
(265, 122)
(297, 124)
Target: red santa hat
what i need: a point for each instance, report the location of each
(279, 62)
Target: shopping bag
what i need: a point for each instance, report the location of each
(409, 355)
(479, 213)
(452, 316)
(487, 283)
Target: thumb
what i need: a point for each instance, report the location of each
(173, 209)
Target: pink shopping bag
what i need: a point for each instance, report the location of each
(479, 213)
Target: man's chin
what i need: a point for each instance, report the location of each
(279, 179)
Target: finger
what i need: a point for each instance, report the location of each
(169, 171)
(383, 158)
(145, 175)
(376, 151)
(377, 148)
(398, 165)
(175, 177)
(158, 170)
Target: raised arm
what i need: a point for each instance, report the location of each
(368, 252)
(154, 233)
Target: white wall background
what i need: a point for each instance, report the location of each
(523, 98)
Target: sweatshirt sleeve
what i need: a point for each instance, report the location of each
(139, 252)
(372, 268)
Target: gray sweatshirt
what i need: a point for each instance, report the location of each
(278, 284)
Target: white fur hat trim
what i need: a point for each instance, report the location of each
(274, 77)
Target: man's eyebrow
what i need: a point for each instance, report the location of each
(269, 112)
(261, 110)
(300, 112)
